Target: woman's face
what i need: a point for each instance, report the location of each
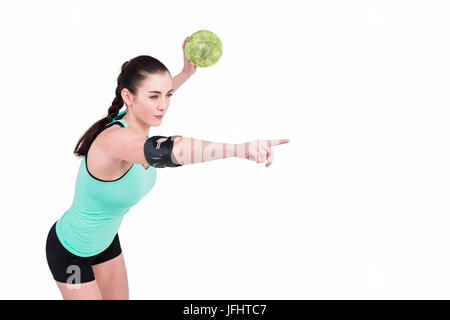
(153, 98)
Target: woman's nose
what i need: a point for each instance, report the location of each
(163, 106)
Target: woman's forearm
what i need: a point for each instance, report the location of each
(179, 79)
(189, 150)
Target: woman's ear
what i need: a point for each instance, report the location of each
(127, 97)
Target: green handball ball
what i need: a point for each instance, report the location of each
(203, 48)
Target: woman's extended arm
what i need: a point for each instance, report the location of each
(126, 144)
(189, 150)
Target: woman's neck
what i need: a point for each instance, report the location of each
(136, 124)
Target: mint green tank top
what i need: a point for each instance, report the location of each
(89, 226)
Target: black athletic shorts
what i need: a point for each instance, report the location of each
(69, 268)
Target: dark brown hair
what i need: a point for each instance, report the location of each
(130, 77)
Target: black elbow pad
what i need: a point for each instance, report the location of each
(159, 154)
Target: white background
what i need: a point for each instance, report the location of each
(356, 206)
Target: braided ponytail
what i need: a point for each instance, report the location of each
(132, 73)
(118, 102)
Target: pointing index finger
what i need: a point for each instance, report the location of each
(277, 142)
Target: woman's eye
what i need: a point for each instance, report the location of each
(170, 94)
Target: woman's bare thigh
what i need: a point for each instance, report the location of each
(112, 279)
(83, 291)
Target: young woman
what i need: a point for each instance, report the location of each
(117, 171)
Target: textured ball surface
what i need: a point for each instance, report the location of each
(203, 48)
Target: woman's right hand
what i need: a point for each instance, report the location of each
(259, 150)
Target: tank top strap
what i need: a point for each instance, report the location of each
(123, 122)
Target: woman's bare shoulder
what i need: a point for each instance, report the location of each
(123, 144)
(101, 164)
